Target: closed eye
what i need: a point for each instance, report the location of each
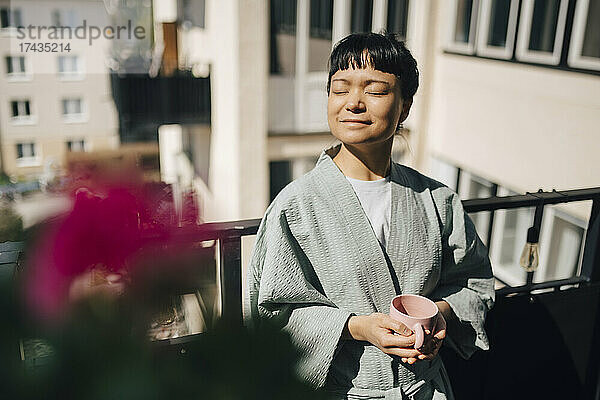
(377, 93)
(339, 92)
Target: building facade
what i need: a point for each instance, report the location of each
(509, 102)
(55, 95)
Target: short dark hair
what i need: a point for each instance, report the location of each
(383, 52)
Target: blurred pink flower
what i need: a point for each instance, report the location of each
(107, 228)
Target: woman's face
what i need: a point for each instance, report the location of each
(364, 106)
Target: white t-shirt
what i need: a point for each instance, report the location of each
(376, 200)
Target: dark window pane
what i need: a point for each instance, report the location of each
(498, 29)
(17, 18)
(4, 20)
(27, 109)
(19, 150)
(15, 108)
(362, 15)
(397, 17)
(56, 18)
(22, 64)
(321, 19)
(543, 25)
(462, 29)
(9, 67)
(319, 41)
(283, 37)
(280, 174)
(591, 37)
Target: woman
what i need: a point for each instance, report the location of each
(339, 243)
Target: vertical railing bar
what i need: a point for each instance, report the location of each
(590, 265)
(458, 172)
(231, 279)
(493, 193)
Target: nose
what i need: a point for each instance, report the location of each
(355, 103)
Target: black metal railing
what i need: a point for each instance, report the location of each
(230, 236)
(144, 103)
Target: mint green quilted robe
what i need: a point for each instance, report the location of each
(316, 261)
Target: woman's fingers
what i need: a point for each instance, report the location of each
(393, 325)
(402, 353)
(390, 340)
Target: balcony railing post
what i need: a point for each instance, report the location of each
(590, 266)
(230, 250)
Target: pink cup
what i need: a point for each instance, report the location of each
(417, 313)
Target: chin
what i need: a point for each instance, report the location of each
(358, 138)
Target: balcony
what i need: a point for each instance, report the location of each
(544, 336)
(144, 103)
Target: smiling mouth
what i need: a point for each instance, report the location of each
(356, 121)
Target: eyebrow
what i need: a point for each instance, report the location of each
(368, 82)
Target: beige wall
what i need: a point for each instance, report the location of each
(523, 127)
(45, 89)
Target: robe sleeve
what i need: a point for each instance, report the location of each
(466, 281)
(284, 290)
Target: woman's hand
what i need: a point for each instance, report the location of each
(390, 336)
(433, 343)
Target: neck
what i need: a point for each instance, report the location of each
(367, 162)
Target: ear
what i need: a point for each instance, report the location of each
(406, 104)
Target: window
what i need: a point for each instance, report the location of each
(461, 34)
(283, 37)
(585, 38)
(192, 12)
(69, 67)
(542, 30)
(76, 145)
(280, 176)
(10, 17)
(15, 65)
(497, 22)
(72, 109)
(474, 187)
(508, 238)
(444, 172)
(397, 17)
(561, 240)
(27, 154)
(20, 109)
(64, 18)
(361, 16)
(320, 34)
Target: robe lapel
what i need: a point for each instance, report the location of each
(398, 248)
(379, 283)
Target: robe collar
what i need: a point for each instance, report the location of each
(395, 258)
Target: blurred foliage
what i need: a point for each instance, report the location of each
(11, 225)
(101, 350)
(4, 179)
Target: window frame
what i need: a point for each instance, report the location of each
(576, 59)
(84, 145)
(460, 47)
(13, 76)
(14, 13)
(483, 20)
(467, 179)
(73, 118)
(546, 236)
(523, 53)
(25, 119)
(502, 271)
(76, 75)
(29, 161)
